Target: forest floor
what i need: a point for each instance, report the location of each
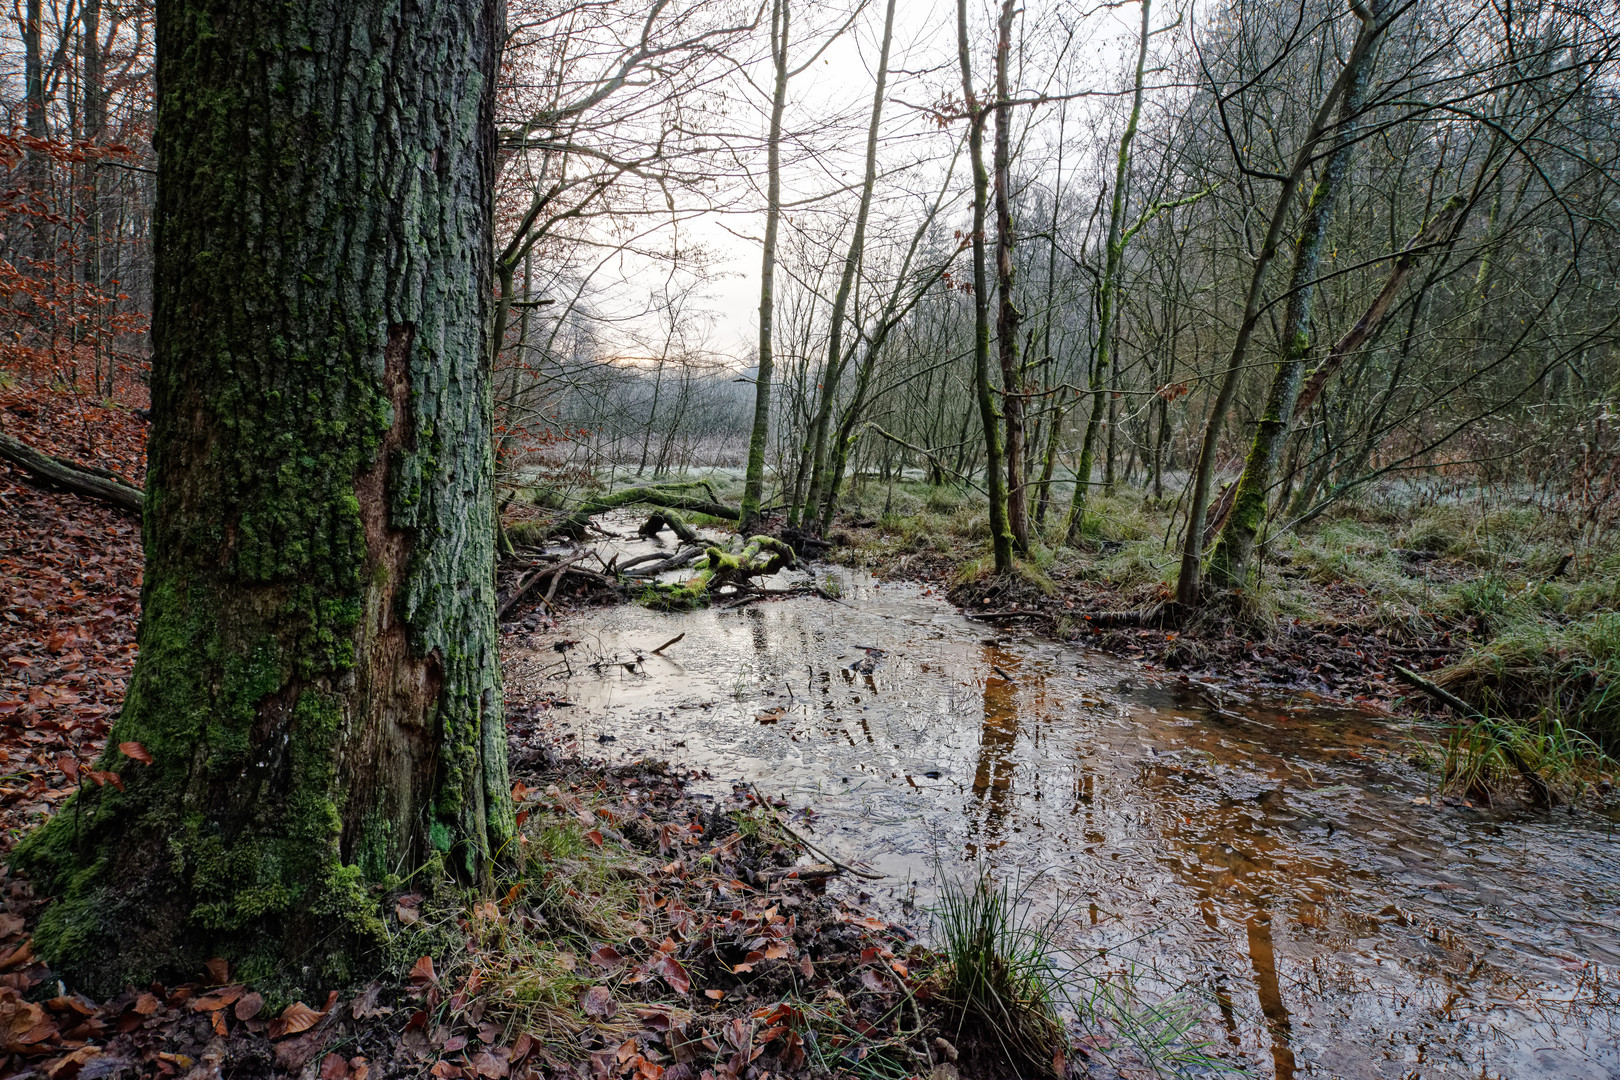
(651, 932)
(646, 931)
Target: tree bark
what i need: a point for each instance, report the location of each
(1008, 316)
(1229, 559)
(754, 481)
(1001, 540)
(1113, 257)
(836, 360)
(1189, 584)
(318, 682)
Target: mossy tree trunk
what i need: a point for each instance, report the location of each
(318, 681)
(1229, 559)
(1189, 583)
(1114, 256)
(995, 481)
(1008, 317)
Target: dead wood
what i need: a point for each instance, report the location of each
(83, 480)
(1541, 794)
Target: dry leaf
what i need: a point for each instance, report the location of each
(218, 969)
(333, 1067)
(422, 972)
(598, 1001)
(135, 752)
(294, 1019)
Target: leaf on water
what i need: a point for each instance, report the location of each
(135, 752)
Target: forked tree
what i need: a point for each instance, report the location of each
(318, 686)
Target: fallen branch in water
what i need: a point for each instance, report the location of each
(808, 846)
(660, 650)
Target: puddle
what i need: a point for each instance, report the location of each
(1267, 858)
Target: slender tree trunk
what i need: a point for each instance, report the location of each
(34, 123)
(1189, 585)
(754, 481)
(836, 361)
(1105, 293)
(94, 112)
(1001, 539)
(1007, 314)
(318, 683)
(1229, 559)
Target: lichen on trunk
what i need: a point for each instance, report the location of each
(318, 683)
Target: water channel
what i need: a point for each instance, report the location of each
(1265, 860)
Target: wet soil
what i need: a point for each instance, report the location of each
(1271, 863)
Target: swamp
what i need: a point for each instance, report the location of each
(792, 539)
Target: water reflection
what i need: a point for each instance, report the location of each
(1269, 860)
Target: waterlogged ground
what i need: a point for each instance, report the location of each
(1266, 859)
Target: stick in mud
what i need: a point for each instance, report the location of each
(785, 827)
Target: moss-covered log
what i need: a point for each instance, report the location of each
(762, 556)
(318, 680)
(671, 520)
(666, 496)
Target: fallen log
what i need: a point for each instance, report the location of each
(666, 496)
(90, 482)
(671, 520)
(683, 557)
(760, 557)
(1541, 793)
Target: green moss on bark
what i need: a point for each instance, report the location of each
(318, 684)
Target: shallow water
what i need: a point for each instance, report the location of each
(1265, 859)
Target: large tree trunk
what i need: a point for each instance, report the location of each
(318, 682)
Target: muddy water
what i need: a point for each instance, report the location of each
(1268, 860)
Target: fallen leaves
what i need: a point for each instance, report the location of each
(70, 574)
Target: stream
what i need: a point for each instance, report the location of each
(1263, 862)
